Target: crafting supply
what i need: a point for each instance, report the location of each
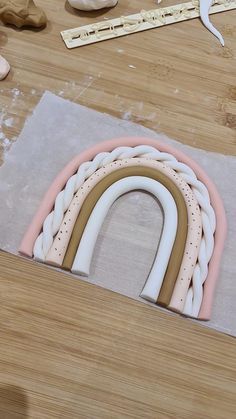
(147, 168)
(168, 235)
(150, 19)
(60, 181)
(4, 68)
(22, 13)
(89, 5)
(204, 15)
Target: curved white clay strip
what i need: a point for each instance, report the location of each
(88, 240)
(92, 4)
(63, 200)
(194, 215)
(4, 68)
(204, 14)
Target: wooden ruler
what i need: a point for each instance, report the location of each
(146, 19)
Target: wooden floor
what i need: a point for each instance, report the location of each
(72, 350)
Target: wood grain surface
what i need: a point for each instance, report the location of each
(72, 350)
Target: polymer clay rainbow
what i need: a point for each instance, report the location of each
(68, 221)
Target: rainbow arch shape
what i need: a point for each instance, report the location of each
(146, 162)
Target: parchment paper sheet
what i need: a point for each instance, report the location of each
(54, 134)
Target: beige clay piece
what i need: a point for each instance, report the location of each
(22, 13)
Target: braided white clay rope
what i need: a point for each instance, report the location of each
(53, 221)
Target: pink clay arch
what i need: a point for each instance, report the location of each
(26, 247)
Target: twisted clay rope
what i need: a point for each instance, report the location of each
(54, 219)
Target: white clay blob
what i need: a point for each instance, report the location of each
(92, 4)
(204, 14)
(4, 68)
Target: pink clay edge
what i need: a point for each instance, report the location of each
(34, 229)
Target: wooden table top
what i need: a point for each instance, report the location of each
(72, 350)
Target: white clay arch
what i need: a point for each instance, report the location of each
(85, 250)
